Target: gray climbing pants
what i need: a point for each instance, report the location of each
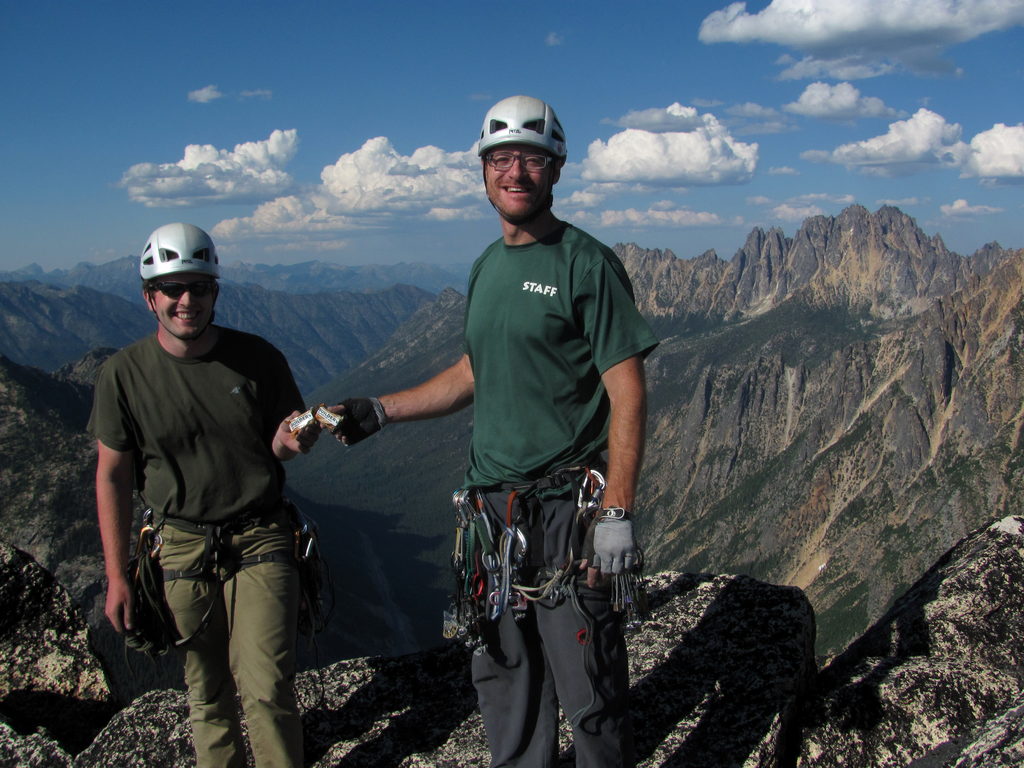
(569, 652)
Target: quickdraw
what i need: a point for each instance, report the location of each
(489, 553)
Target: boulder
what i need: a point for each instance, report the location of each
(718, 673)
(49, 676)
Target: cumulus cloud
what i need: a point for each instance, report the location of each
(704, 156)
(919, 143)
(674, 117)
(997, 154)
(376, 177)
(251, 171)
(205, 95)
(553, 39)
(590, 196)
(285, 215)
(961, 208)
(793, 212)
(838, 102)
(800, 207)
(368, 187)
(849, 40)
(783, 170)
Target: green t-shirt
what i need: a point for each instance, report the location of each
(543, 322)
(200, 429)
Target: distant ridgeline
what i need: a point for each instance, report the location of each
(832, 410)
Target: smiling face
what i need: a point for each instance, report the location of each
(184, 318)
(518, 193)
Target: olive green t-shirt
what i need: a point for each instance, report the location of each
(543, 322)
(200, 429)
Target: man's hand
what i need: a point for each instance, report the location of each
(609, 548)
(120, 604)
(288, 443)
(361, 417)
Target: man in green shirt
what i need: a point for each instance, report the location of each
(553, 366)
(195, 417)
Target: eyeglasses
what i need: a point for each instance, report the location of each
(502, 161)
(198, 289)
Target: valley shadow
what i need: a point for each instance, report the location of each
(381, 594)
(723, 666)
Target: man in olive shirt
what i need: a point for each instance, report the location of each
(196, 418)
(553, 366)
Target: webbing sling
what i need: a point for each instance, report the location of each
(214, 561)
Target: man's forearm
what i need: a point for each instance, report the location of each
(627, 429)
(449, 391)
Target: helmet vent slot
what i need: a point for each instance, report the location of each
(535, 125)
(166, 254)
(498, 125)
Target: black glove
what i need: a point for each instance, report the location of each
(362, 417)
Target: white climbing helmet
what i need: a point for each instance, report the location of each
(176, 248)
(522, 120)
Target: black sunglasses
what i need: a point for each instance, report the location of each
(198, 289)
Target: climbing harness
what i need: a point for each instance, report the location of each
(155, 629)
(490, 556)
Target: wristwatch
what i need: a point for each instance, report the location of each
(613, 513)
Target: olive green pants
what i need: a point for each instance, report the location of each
(248, 646)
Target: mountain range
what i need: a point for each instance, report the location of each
(832, 411)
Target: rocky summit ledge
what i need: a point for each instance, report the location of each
(723, 674)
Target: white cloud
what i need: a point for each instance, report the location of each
(752, 110)
(791, 212)
(589, 197)
(921, 142)
(900, 202)
(847, 40)
(963, 208)
(205, 174)
(257, 93)
(997, 153)
(205, 95)
(674, 117)
(376, 178)
(824, 196)
(663, 214)
(751, 118)
(838, 102)
(454, 214)
(705, 156)
(285, 215)
(841, 68)
(553, 39)
(783, 170)
(368, 188)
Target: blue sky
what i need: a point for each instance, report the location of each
(344, 131)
